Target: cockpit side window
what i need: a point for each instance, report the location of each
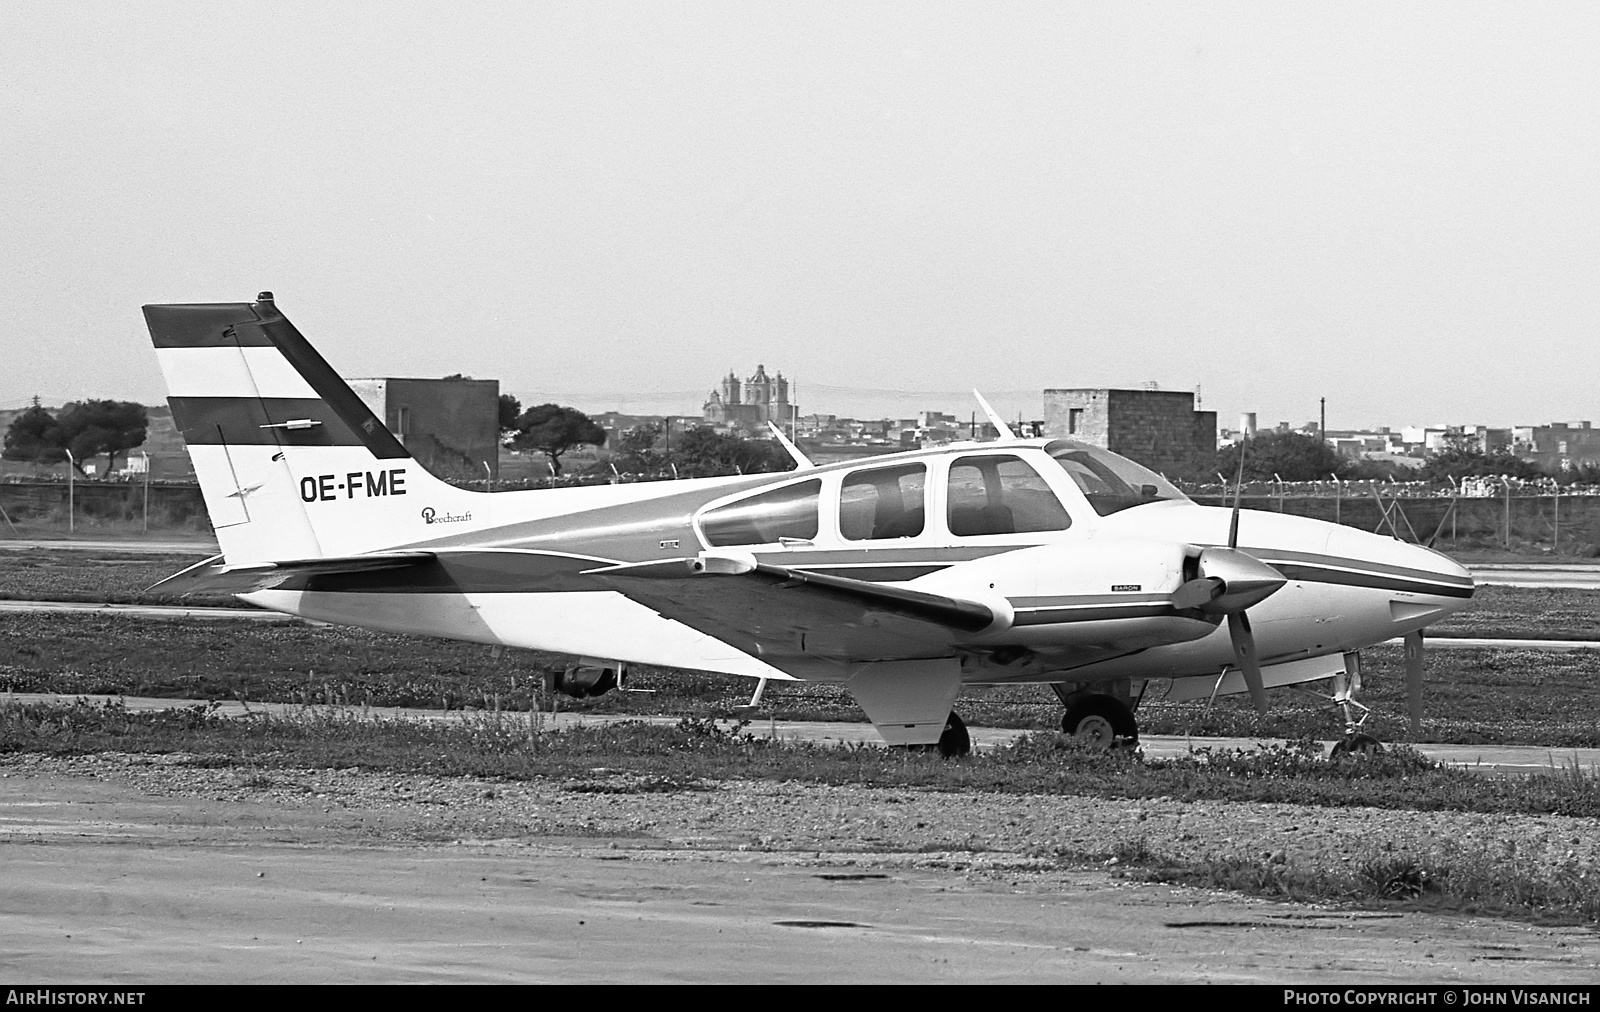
(883, 502)
(1001, 494)
(765, 518)
(1111, 483)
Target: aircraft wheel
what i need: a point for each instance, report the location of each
(954, 741)
(1363, 745)
(1101, 722)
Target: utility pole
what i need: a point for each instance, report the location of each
(72, 463)
(1322, 423)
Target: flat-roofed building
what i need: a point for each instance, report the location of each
(451, 426)
(1158, 428)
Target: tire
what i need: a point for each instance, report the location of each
(955, 741)
(1101, 722)
(1363, 746)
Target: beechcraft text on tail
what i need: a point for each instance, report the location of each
(904, 579)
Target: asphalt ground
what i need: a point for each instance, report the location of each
(106, 883)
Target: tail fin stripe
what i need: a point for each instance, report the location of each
(202, 326)
(256, 421)
(231, 372)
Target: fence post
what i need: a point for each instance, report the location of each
(1507, 484)
(1556, 545)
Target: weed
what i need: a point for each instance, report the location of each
(1394, 876)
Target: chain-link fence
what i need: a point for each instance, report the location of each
(1526, 519)
(1521, 520)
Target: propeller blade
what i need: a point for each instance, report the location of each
(1414, 659)
(1244, 655)
(1238, 497)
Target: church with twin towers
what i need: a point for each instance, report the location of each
(749, 405)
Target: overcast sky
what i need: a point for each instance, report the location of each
(1395, 206)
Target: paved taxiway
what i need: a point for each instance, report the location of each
(185, 546)
(1570, 577)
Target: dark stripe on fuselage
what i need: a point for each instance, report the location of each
(1095, 613)
(246, 421)
(874, 574)
(1372, 581)
(464, 573)
(1312, 563)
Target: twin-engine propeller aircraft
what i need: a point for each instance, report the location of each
(904, 578)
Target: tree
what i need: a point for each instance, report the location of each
(1463, 457)
(35, 436)
(703, 452)
(510, 408)
(554, 429)
(635, 449)
(109, 427)
(1292, 456)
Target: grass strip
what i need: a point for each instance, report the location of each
(1451, 878)
(518, 746)
(693, 754)
(1472, 696)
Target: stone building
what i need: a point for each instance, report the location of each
(451, 426)
(1158, 428)
(1557, 445)
(750, 405)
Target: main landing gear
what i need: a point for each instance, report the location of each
(954, 741)
(1099, 719)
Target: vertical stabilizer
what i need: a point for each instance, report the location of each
(292, 464)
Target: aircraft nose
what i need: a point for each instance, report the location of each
(1403, 566)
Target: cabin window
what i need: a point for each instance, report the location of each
(883, 502)
(1001, 494)
(765, 518)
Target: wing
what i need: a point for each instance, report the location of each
(775, 612)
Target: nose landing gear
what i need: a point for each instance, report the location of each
(1355, 742)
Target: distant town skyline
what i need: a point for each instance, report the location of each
(879, 403)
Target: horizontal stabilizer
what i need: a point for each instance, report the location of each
(217, 576)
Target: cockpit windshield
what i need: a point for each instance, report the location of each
(1110, 483)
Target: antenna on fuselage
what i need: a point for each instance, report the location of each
(999, 423)
(801, 461)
